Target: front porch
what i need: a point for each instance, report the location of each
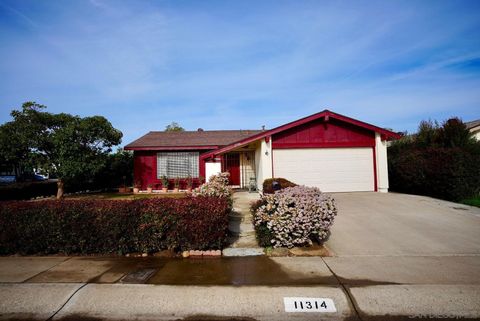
(248, 164)
(241, 166)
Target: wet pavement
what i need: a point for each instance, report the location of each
(259, 270)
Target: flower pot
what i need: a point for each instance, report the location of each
(175, 190)
(122, 189)
(149, 190)
(136, 190)
(189, 189)
(164, 190)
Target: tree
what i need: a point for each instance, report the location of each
(454, 133)
(174, 127)
(70, 147)
(118, 170)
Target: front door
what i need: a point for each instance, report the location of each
(232, 165)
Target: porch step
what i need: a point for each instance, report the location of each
(241, 228)
(246, 241)
(240, 218)
(243, 251)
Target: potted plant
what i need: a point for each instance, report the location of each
(164, 183)
(176, 183)
(149, 188)
(136, 187)
(122, 189)
(189, 182)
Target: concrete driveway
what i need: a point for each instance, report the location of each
(399, 224)
(403, 254)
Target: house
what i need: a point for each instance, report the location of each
(474, 128)
(328, 150)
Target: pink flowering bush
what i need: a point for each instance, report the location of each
(294, 216)
(217, 186)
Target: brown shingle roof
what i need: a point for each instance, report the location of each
(190, 138)
(473, 123)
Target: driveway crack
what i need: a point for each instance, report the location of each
(68, 300)
(347, 292)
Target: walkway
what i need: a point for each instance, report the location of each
(243, 242)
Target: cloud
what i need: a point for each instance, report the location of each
(243, 64)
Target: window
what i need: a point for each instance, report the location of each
(177, 164)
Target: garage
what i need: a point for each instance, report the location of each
(330, 169)
(327, 150)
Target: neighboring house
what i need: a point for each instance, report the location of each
(328, 150)
(474, 128)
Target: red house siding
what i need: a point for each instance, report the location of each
(321, 133)
(145, 170)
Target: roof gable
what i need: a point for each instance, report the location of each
(326, 114)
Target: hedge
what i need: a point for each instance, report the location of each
(268, 184)
(447, 173)
(27, 190)
(102, 227)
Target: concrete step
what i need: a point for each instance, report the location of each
(249, 241)
(243, 251)
(241, 228)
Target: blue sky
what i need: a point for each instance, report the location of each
(241, 64)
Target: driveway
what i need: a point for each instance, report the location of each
(404, 254)
(404, 225)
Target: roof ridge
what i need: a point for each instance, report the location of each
(207, 130)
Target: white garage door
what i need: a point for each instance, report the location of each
(330, 169)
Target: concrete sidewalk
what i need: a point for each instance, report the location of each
(248, 288)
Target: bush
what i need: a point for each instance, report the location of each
(268, 184)
(27, 190)
(99, 226)
(447, 173)
(294, 216)
(438, 161)
(217, 186)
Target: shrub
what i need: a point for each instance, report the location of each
(438, 161)
(293, 216)
(99, 226)
(217, 186)
(268, 184)
(446, 173)
(27, 190)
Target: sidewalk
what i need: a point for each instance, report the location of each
(245, 288)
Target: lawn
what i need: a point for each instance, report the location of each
(474, 201)
(125, 196)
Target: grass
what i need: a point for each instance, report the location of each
(474, 201)
(125, 196)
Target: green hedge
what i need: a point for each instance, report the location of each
(99, 226)
(447, 173)
(27, 190)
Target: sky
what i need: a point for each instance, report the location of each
(241, 64)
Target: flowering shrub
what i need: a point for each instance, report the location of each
(217, 186)
(293, 216)
(100, 226)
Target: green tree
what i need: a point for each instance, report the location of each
(427, 134)
(118, 170)
(70, 147)
(454, 133)
(174, 127)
